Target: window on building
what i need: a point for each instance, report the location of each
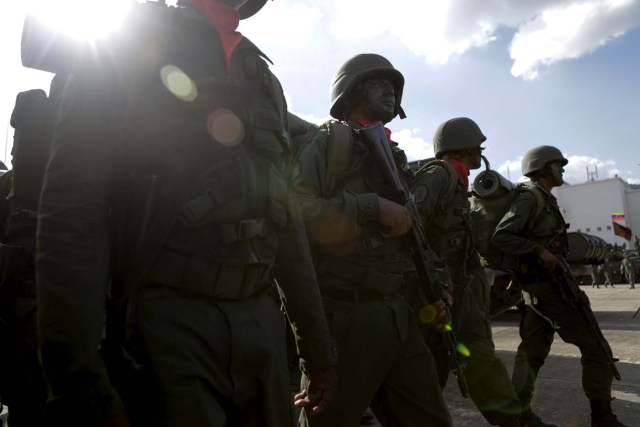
(588, 230)
(599, 228)
(608, 227)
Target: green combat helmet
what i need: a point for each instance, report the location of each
(358, 69)
(536, 158)
(250, 8)
(457, 134)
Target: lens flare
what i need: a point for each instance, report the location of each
(463, 349)
(427, 314)
(178, 83)
(225, 127)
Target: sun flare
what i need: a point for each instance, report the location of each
(81, 19)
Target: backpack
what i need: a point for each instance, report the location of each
(492, 197)
(339, 147)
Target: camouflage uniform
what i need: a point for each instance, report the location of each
(22, 383)
(547, 312)
(447, 224)
(382, 356)
(629, 270)
(211, 336)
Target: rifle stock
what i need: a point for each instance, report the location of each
(430, 282)
(579, 300)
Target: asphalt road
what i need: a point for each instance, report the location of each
(559, 397)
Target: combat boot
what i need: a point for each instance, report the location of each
(602, 415)
(529, 419)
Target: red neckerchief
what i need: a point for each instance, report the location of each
(365, 122)
(225, 19)
(462, 169)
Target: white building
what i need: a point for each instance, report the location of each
(588, 207)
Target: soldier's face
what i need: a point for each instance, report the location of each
(379, 101)
(556, 170)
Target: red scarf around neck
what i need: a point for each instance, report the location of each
(462, 169)
(225, 19)
(365, 122)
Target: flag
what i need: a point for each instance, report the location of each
(617, 216)
(622, 231)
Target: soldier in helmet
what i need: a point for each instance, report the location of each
(540, 245)
(168, 191)
(360, 254)
(628, 269)
(441, 190)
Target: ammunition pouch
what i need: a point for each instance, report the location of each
(198, 276)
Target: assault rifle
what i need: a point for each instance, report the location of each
(431, 283)
(571, 291)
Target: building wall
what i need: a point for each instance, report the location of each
(588, 207)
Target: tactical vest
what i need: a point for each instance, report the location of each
(449, 228)
(226, 131)
(549, 228)
(374, 261)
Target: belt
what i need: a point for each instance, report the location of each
(364, 276)
(353, 296)
(198, 276)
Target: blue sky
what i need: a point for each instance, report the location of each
(558, 72)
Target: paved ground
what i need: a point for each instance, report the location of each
(559, 396)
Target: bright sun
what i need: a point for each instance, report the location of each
(82, 19)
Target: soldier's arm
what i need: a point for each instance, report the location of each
(510, 235)
(330, 219)
(297, 279)
(73, 251)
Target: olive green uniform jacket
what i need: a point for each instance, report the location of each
(447, 224)
(139, 128)
(547, 310)
(383, 361)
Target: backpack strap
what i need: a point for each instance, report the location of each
(453, 179)
(339, 149)
(539, 206)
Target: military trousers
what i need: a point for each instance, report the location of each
(22, 385)
(487, 378)
(383, 362)
(548, 314)
(216, 363)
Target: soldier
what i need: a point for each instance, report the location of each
(360, 255)
(628, 269)
(441, 191)
(168, 190)
(605, 270)
(22, 383)
(595, 282)
(540, 245)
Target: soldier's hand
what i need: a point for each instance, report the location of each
(550, 261)
(319, 391)
(393, 216)
(120, 420)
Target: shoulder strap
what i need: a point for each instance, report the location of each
(339, 148)
(539, 206)
(453, 178)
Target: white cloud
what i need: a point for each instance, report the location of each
(579, 169)
(569, 31)
(415, 147)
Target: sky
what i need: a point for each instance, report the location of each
(544, 72)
